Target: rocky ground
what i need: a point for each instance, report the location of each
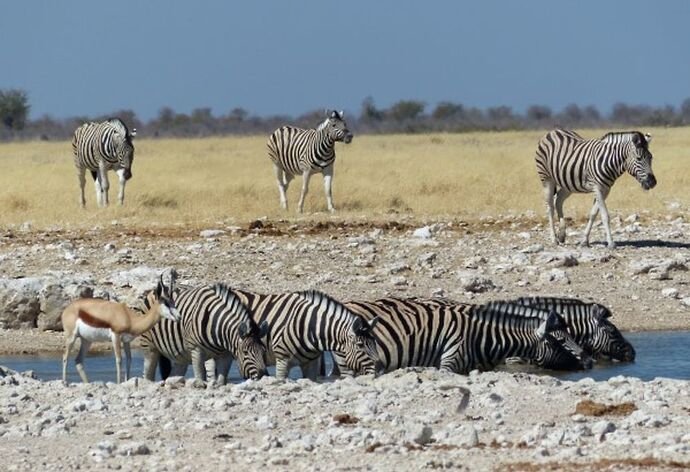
(406, 420)
(400, 421)
(645, 281)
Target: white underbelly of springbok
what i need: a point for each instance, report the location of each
(100, 334)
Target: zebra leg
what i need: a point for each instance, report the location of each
(128, 359)
(590, 222)
(305, 188)
(549, 191)
(327, 181)
(151, 359)
(105, 184)
(99, 191)
(210, 368)
(283, 182)
(282, 368)
(198, 366)
(601, 200)
(561, 195)
(310, 369)
(81, 175)
(79, 361)
(222, 368)
(123, 181)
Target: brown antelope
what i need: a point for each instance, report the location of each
(93, 319)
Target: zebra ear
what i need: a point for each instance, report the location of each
(342, 114)
(263, 329)
(637, 139)
(357, 326)
(133, 133)
(601, 312)
(648, 138)
(159, 290)
(245, 329)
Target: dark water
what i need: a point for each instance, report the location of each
(659, 354)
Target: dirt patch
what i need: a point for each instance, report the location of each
(344, 418)
(601, 464)
(592, 408)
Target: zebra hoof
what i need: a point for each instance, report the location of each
(198, 384)
(612, 245)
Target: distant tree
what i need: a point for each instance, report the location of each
(447, 110)
(572, 115)
(238, 114)
(592, 115)
(685, 112)
(406, 110)
(538, 113)
(14, 108)
(369, 111)
(166, 117)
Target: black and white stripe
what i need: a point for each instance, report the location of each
(296, 151)
(588, 324)
(567, 163)
(215, 324)
(100, 147)
(460, 337)
(302, 325)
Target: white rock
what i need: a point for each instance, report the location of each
(601, 428)
(685, 301)
(211, 233)
(554, 275)
(420, 434)
(422, 233)
(669, 292)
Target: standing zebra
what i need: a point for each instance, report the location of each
(214, 323)
(588, 324)
(307, 151)
(571, 164)
(460, 337)
(100, 147)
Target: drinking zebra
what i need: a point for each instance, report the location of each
(214, 324)
(588, 324)
(100, 147)
(307, 151)
(460, 337)
(301, 325)
(568, 163)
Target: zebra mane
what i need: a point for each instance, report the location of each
(229, 297)
(316, 296)
(514, 312)
(322, 125)
(623, 137)
(121, 127)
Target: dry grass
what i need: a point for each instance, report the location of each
(207, 181)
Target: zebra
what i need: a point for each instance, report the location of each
(571, 164)
(588, 324)
(215, 324)
(100, 147)
(460, 337)
(307, 151)
(300, 326)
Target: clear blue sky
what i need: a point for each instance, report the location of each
(288, 57)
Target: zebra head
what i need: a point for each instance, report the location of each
(606, 339)
(251, 353)
(638, 160)
(335, 126)
(124, 146)
(360, 350)
(557, 349)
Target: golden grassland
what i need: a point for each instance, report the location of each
(198, 182)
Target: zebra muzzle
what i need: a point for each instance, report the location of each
(649, 182)
(128, 174)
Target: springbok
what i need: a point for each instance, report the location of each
(93, 319)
